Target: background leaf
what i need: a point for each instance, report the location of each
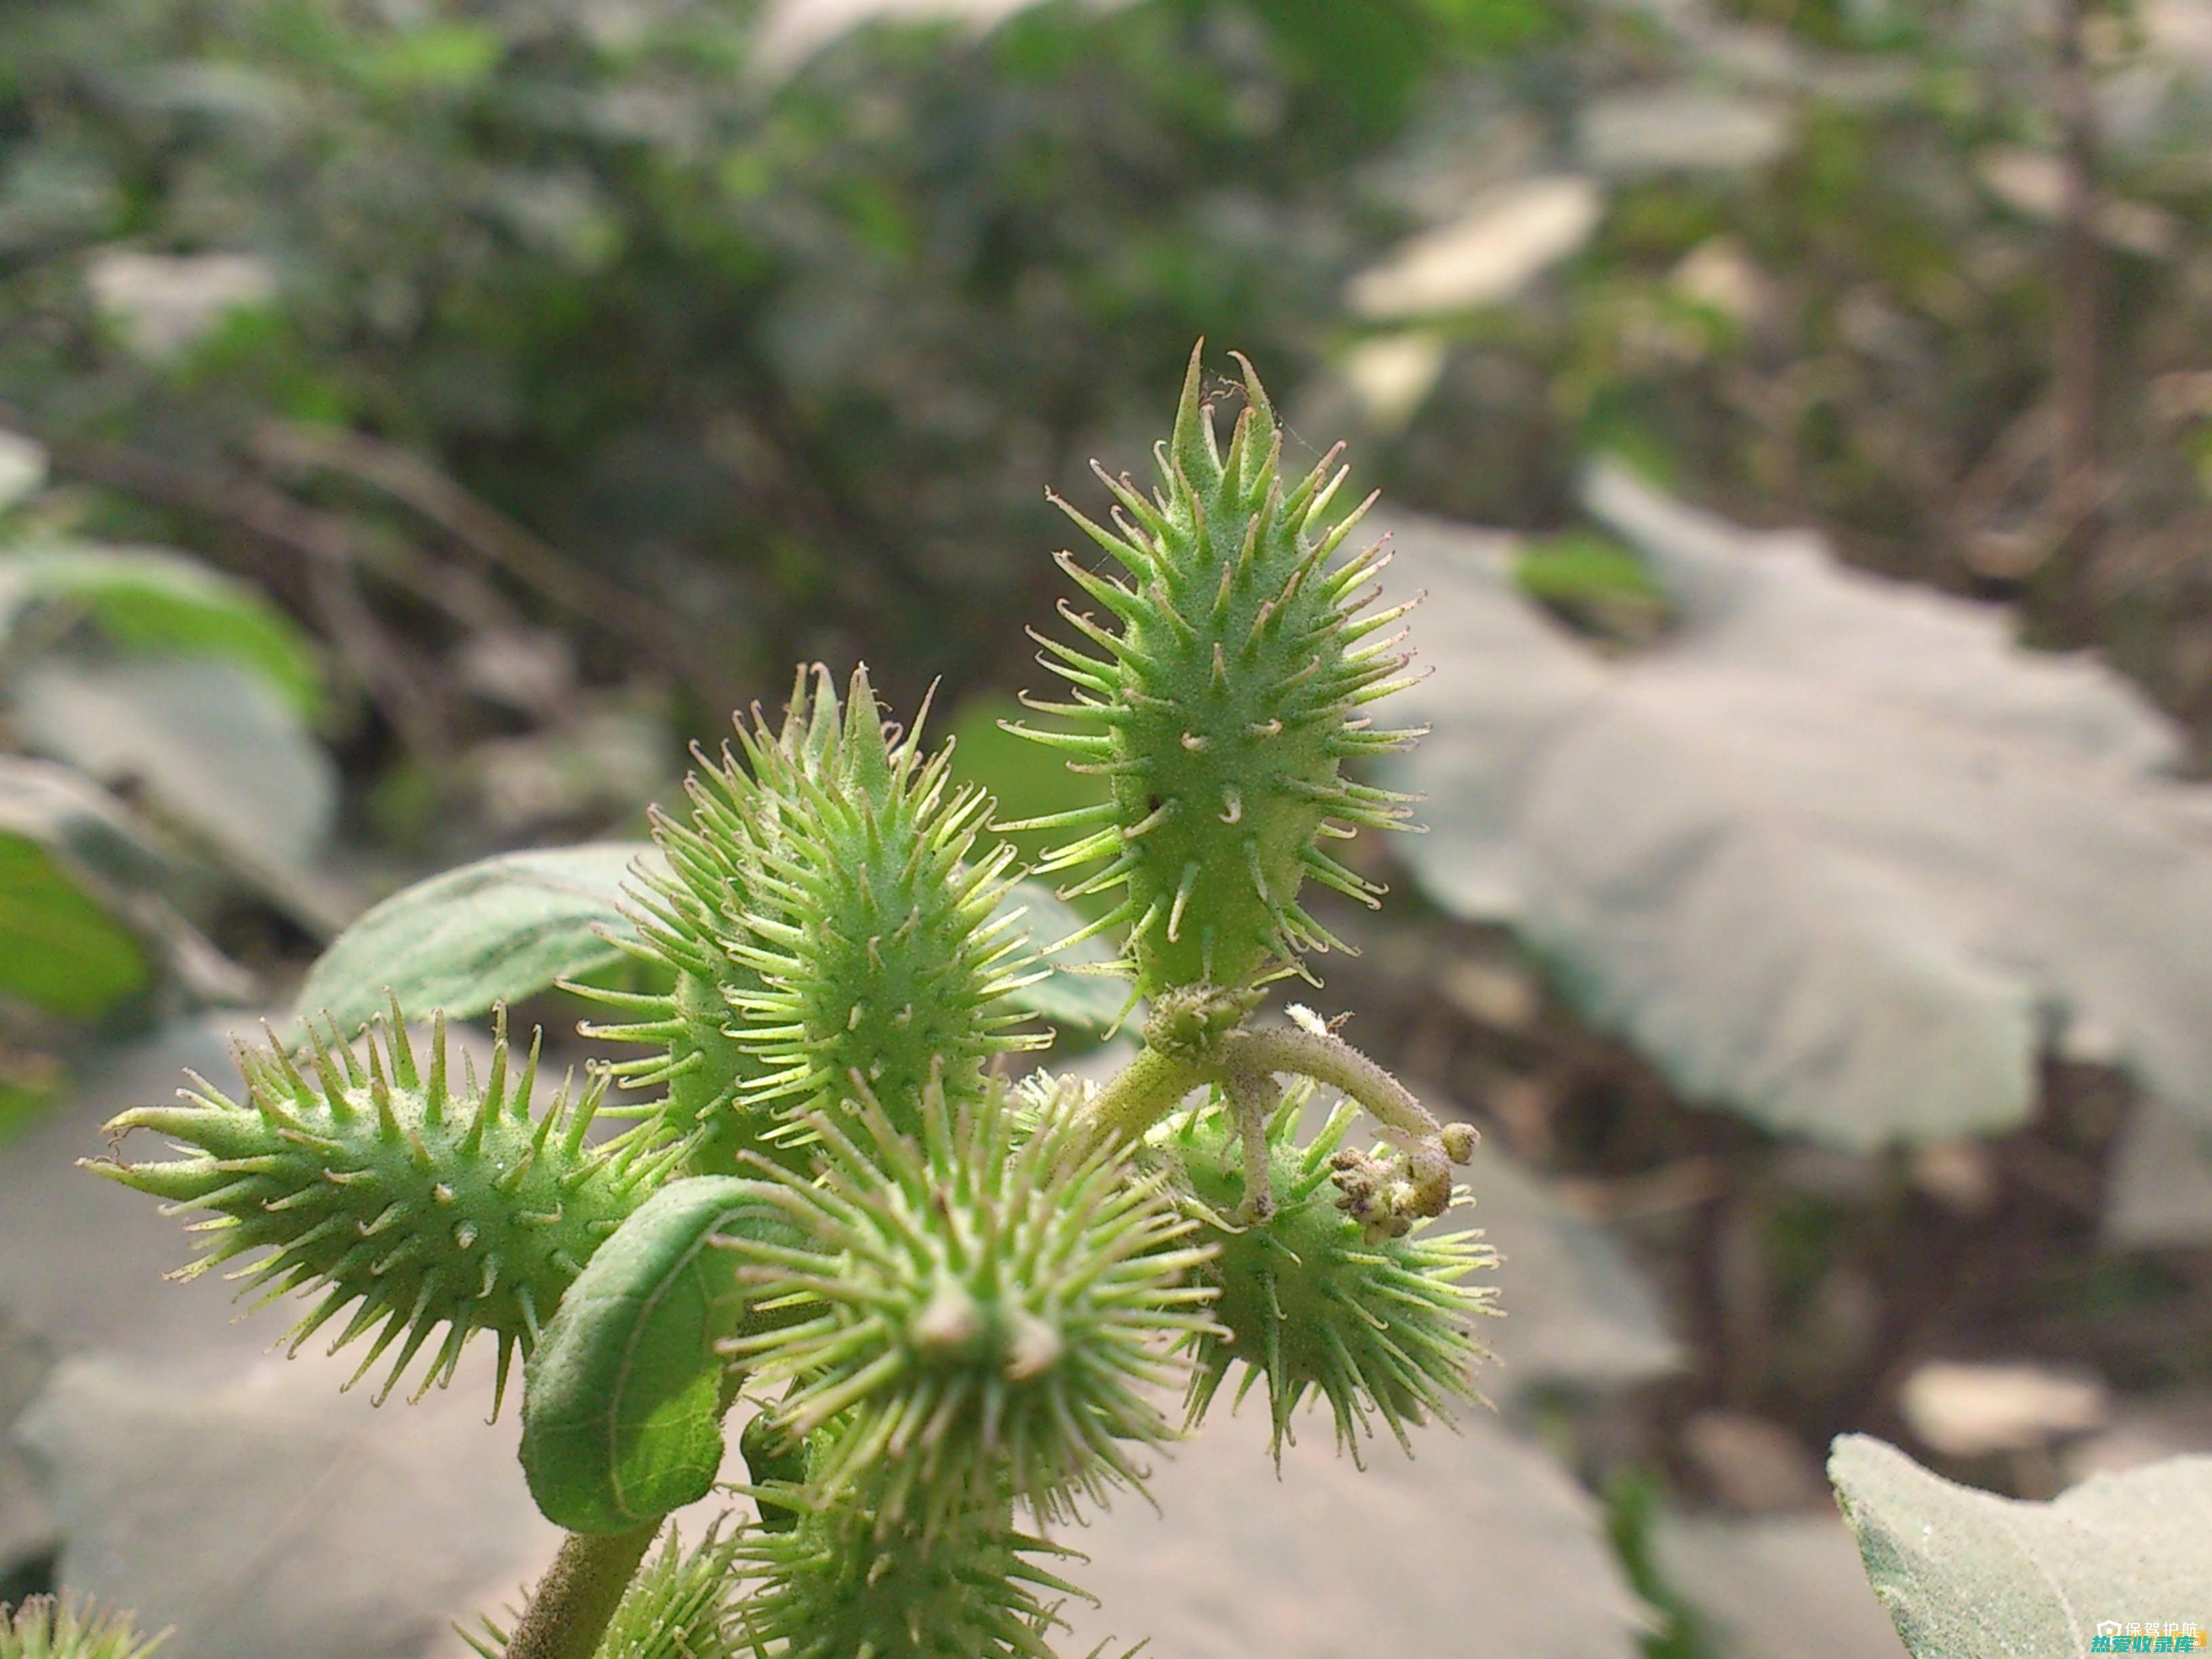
(1079, 1002)
(1834, 852)
(210, 742)
(496, 931)
(148, 599)
(508, 927)
(1480, 1544)
(1966, 1574)
(65, 852)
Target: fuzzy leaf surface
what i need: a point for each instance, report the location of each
(1837, 852)
(1966, 1574)
(622, 1414)
(498, 930)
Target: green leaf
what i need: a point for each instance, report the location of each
(622, 1415)
(148, 599)
(59, 950)
(62, 946)
(496, 931)
(1966, 1574)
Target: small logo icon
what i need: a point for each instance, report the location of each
(2149, 1636)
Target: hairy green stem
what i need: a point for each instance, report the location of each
(1332, 1060)
(579, 1595)
(1253, 1095)
(1151, 1084)
(1140, 1095)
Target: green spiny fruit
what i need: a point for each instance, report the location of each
(834, 1587)
(980, 1313)
(1224, 704)
(879, 963)
(678, 1607)
(425, 1205)
(44, 1627)
(1306, 1300)
(683, 917)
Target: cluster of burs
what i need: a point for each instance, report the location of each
(957, 1309)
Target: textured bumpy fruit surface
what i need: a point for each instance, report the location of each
(1224, 699)
(829, 933)
(985, 1312)
(830, 1587)
(417, 1200)
(1307, 1302)
(871, 929)
(686, 916)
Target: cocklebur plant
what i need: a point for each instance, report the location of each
(956, 1308)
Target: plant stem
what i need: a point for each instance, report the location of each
(1149, 1087)
(1142, 1093)
(579, 1595)
(1332, 1060)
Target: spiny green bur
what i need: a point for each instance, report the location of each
(418, 1204)
(979, 1313)
(1223, 698)
(832, 1587)
(827, 929)
(869, 927)
(683, 917)
(44, 1627)
(1309, 1304)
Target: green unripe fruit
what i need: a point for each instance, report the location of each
(834, 1587)
(418, 1204)
(684, 918)
(829, 935)
(982, 1313)
(879, 965)
(1224, 699)
(44, 1627)
(1307, 1302)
